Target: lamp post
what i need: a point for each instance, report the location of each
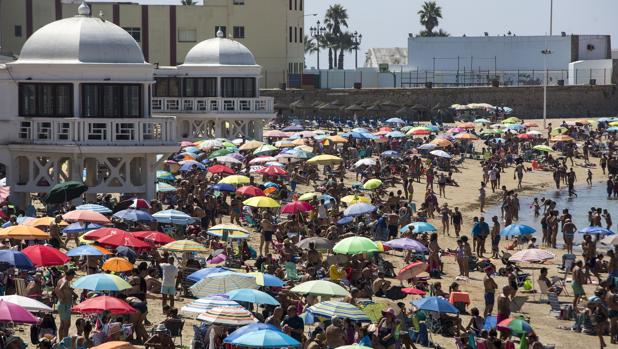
(358, 38)
(316, 33)
(545, 52)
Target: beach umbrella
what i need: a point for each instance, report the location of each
(413, 291)
(359, 209)
(395, 134)
(395, 121)
(441, 142)
(355, 245)
(262, 160)
(94, 207)
(251, 295)
(411, 270)
(184, 246)
(610, 240)
(265, 149)
(261, 202)
(235, 180)
(165, 175)
(516, 230)
(101, 282)
(612, 129)
(124, 251)
(117, 265)
(456, 130)
(16, 259)
(345, 220)
(84, 250)
(85, 216)
(319, 243)
(406, 244)
(228, 160)
(353, 346)
(138, 203)
(252, 145)
(562, 138)
(97, 305)
(365, 162)
(330, 309)
(324, 159)
(275, 134)
(15, 313)
(418, 131)
(561, 130)
(43, 221)
(534, 133)
(229, 227)
(372, 184)
(173, 217)
(310, 196)
(123, 239)
(418, 227)
(355, 199)
(45, 256)
(23, 232)
(154, 237)
(531, 255)
(435, 304)
(320, 288)
(594, 230)
(227, 316)
(188, 165)
(202, 273)
(516, 325)
(249, 329)
(222, 282)
(295, 207)
(102, 232)
(250, 190)
(440, 153)
(273, 171)
(220, 169)
(32, 305)
(65, 191)
(511, 120)
(338, 139)
(201, 305)
(427, 146)
(267, 280)
(79, 227)
(134, 215)
(466, 137)
(224, 187)
(542, 147)
(482, 121)
(228, 234)
(218, 153)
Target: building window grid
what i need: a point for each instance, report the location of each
(135, 32)
(187, 35)
(111, 100)
(42, 99)
(239, 32)
(17, 31)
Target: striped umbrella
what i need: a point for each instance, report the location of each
(222, 282)
(330, 309)
(173, 217)
(94, 207)
(203, 304)
(101, 282)
(321, 288)
(184, 246)
(227, 316)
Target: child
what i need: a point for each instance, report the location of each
(536, 207)
(589, 176)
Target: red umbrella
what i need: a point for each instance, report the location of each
(250, 190)
(273, 171)
(11, 312)
(85, 216)
(186, 144)
(123, 239)
(412, 290)
(139, 204)
(154, 237)
(45, 256)
(296, 207)
(220, 169)
(102, 232)
(411, 270)
(524, 136)
(102, 303)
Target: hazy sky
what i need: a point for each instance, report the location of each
(386, 23)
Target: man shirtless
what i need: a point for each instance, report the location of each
(65, 301)
(579, 278)
(504, 305)
(335, 336)
(490, 291)
(612, 305)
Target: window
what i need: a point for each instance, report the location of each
(17, 31)
(187, 35)
(111, 100)
(300, 35)
(291, 5)
(239, 2)
(290, 36)
(300, 8)
(167, 87)
(200, 87)
(295, 4)
(239, 32)
(223, 30)
(135, 32)
(45, 99)
(238, 87)
(295, 34)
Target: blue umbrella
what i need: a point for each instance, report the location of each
(360, 130)
(418, 227)
(202, 273)
(515, 127)
(395, 121)
(428, 146)
(612, 129)
(189, 164)
(516, 230)
(249, 329)
(435, 304)
(359, 209)
(252, 296)
(134, 215)
(165, 175)
(16, 259)
(125, 251)
(360, 135)
(78, 227)
(173, 217)
(101, 282)
(345, 220)
(94, 207)
(433, 128)
(395, 134)
(84, 250)
(271, 184)
(595, 230)
(224, 187)
(265, 339)
(390, 154)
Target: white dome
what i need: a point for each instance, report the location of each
(82, 39)
(219, 51)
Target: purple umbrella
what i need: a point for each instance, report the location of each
(10, 312)
(406, 244)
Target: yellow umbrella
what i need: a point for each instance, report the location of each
(300, 141)
(229, 227)
(372, 184)
(251, 145)
(235, 179)
(184, 246)
(511, 120)
(37, 222)
(309, 196)
(562, 138)
(613, 123)
(286, 143)
(324, 159)
(355, 199)
(441, 142)
(261, 202)
(23, 232)
(117, 265)
(338, 139)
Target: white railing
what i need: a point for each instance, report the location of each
(159, 130)
(212, 105)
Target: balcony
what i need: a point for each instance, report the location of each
(97, 131)
(201, 105)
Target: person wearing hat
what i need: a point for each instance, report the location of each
(160, 339)
(386, 329)
(14, 342)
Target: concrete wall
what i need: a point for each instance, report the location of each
(527, 102)
(581, 72)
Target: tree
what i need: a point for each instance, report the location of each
(188, 2)
(346, 44)
(429, 14)
(310, 45)
(335, 19)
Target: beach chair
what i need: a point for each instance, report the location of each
(175, 327)
(20, 287)
(290, 271)
(554, 303)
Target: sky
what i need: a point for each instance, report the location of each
(386, 23)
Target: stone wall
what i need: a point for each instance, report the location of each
(526, 101)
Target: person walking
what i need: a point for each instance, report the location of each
(169, 274)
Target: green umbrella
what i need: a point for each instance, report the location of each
(265, 148)
(355, 245)
(488, 131)
(559, 131)
(372, 184)
(220, 152)
(543, 147)
(164, 188)
(321, 288)
(65, 191)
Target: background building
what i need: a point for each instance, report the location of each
(271, 29)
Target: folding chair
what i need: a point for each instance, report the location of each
(175, 327)
(554, 303)
(543, 291)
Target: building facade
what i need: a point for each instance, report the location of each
(271, 29)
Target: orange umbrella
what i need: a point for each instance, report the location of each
(531, 124)
(441, 142)
(85, 216)
(117, 265)
(562, 138)
(300, 141)
(102, 249)
(37, 222)
(466, 136)
(338, 139)
(22, 232)
(115, 345)
(466, 125)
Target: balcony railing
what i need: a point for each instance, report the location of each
(97, 131)
(212, 105)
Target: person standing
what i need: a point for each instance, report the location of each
(568, 234)
(579, 278)
(482, 195)
(504, 305)
(519, 173)
(490, 291)
(65, 302)
(169, 274)
(445, 213)
(612, 305)
(483, 234)
(457, 219)
(495, 237)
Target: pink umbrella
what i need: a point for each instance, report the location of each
(262, 160)
(296, 207)
(186, 144)
(273, 171)
(139, 204)
(455, 130)
(218, 259)
(4, 194)
(85, 216)
(10, 312)
(276, 134)
(531, 255)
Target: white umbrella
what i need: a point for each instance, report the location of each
(223, 282)
(365, 162)
(228, 160)
(227, 316)
(29, 304)
(610, 240)
(201, 305)
(440, 153)
(531, 255)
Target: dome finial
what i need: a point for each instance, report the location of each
(83, 9)
(220, 33)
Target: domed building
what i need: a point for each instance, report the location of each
(214, 93)
(76, 106)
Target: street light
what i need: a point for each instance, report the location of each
(358, 38)
(545, 52)
(316, 33)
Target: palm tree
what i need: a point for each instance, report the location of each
(429, 14)
(310, 45)
(328, 40)
(441, 33)
(335, 19)
(346, 44)
(188, 2)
